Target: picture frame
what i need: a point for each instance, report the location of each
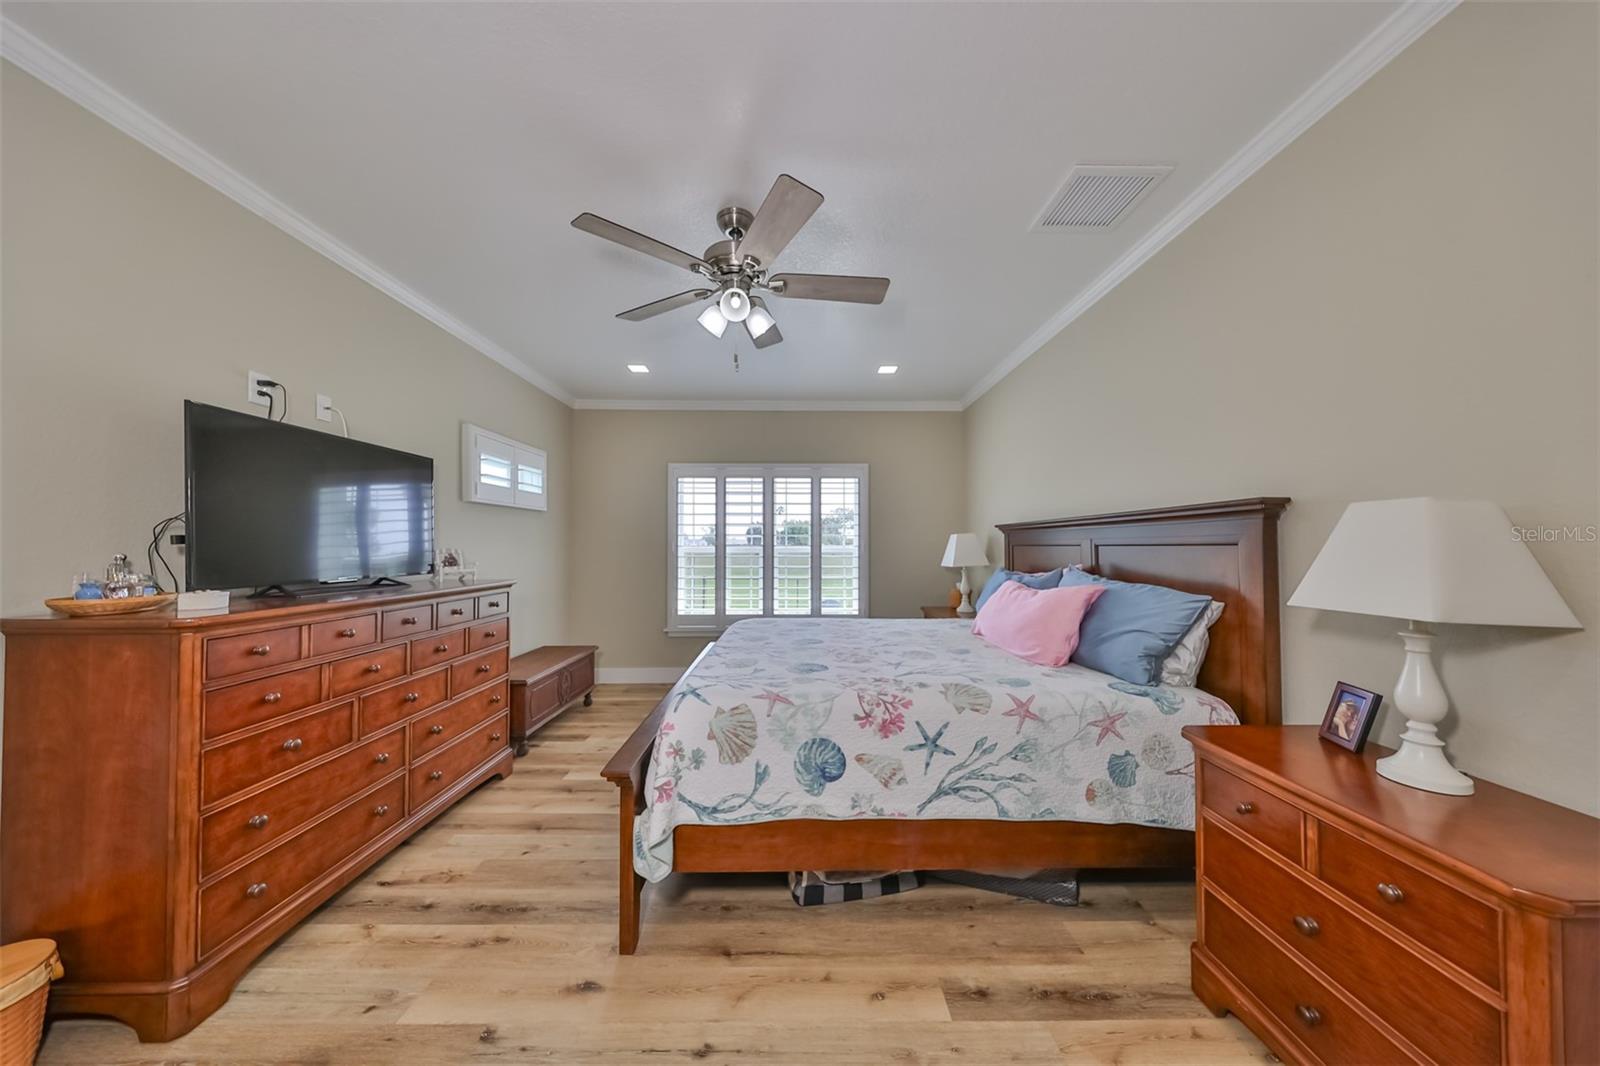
(1351, 712)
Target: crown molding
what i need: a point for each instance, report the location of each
(78, 85)
(768, 405)
(1391, 38)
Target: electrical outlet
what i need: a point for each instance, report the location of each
(253, 390)
(324, 408)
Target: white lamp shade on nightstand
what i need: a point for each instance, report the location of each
(1428, 560)
(965, 549)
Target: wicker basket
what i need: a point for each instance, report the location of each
(26, 970)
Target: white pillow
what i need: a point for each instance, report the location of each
(1181, 668)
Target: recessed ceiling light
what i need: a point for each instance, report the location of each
(638, 368)
(888, 368)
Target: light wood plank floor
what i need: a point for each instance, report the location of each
(492, 937)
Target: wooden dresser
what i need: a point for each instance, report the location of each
(1347, 918)
(545, 682)
(179, 792)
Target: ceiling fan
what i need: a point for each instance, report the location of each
(736, 268)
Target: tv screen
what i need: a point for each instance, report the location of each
(274, 504)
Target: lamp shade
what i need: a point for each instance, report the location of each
(964, 549)
(1429, 560)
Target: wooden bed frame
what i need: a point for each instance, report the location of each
(1227, 550)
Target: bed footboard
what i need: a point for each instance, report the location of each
(627, 770)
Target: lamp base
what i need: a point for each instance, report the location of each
(965, 608)
(1419, 694)
(1419, 766)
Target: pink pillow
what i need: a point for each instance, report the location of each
(1039, 625)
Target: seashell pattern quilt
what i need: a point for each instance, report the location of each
(909, 718)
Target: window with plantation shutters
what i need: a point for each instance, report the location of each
(751, 541)
(496, 469)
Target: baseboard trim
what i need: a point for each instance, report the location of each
(638, 675)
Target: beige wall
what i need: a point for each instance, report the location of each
(1402, 303)
(619, 489)
(130, 286)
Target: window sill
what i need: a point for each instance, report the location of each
(694, 631)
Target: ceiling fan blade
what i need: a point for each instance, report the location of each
(788, 206)
(608, 230)
(671, 303)
(769, 338)
(845, 288)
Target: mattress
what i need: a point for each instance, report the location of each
(909, 718)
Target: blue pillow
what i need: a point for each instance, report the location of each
(1048, 580)
(1132, 628)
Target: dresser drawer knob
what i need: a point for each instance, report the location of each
(272, 697)
(382, 756)
(436, 729)
(494, 699)
(412, 697)
(347, 632)
(373, 668)
(494, 603)
(1391, 892)
(484, 668)
(293, 744)
(381, 809)
(441, 647)
(435, 775)
(494, 737)
(258, 821)
(409, 620)
(457, 611)
(257, 890)
(1307, 924)
(488, 634)
(1245, 808)
(261, 649)
(1311, 1016)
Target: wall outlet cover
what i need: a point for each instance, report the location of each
(324, 408)
(252, 387)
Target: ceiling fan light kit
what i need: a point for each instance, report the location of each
(740, 265)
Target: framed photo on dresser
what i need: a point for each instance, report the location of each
(1349, 717)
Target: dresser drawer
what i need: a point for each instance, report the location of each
(436, 773)
(1440, 1017)
(260, 887)
(438, 648)
(488, 634)
(493, 603)
(405, 622)
(364, 671)
(1274, 822)
(401, 700)
(479, 669)
(440, 727)
(241, 763)
(250, 824)
(237, 706)
(1331, 1029)
(344, 634)
(226, 656)
(1457, 926)
(455, 612)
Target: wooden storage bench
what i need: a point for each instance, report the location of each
(545, 682)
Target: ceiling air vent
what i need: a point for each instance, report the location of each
(1097, 197)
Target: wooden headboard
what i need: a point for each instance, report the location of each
(1228, 551)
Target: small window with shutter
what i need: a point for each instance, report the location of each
(751, 541)
(498, 470)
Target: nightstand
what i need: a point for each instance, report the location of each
(1346, 918)
(940, 612)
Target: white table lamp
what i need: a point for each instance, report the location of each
(964, 550)
(1426, 561)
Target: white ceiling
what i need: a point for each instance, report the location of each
(449, 145)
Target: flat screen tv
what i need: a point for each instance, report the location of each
(276, 506)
